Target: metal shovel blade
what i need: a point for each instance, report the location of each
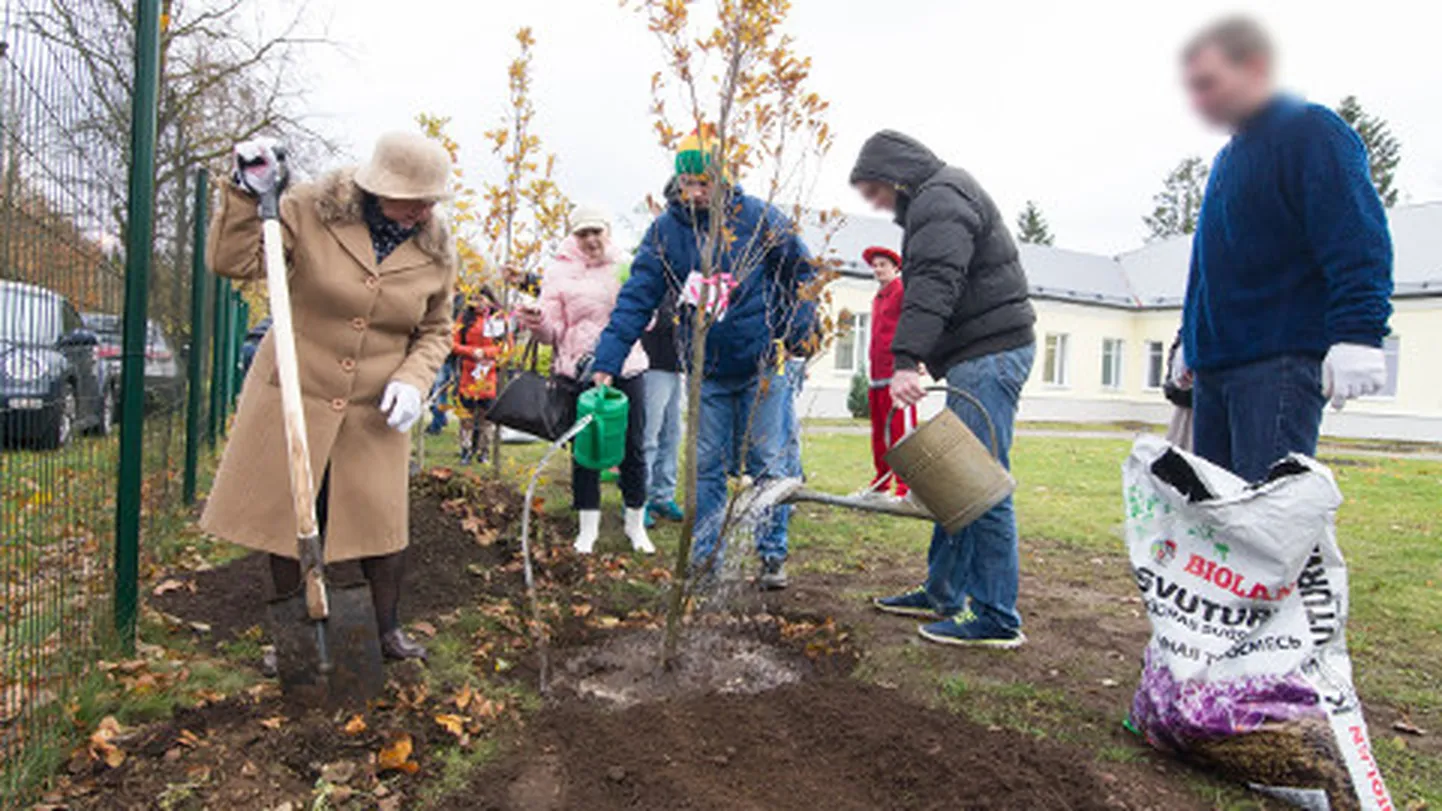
(335, 662)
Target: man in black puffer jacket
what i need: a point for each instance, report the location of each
(967, 316)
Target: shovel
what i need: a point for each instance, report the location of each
(326, 643)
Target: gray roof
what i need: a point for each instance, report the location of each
(1155, 275)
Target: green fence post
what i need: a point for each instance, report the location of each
(242, 326)
(217, 359)
(195, 387)
(139, 238)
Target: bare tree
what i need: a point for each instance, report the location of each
(224, 78)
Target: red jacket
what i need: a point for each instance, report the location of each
(885, 314)
(477, 354)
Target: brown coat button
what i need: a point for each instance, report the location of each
(358, 324)
(338, 404)
(348, 364)
(372, 282)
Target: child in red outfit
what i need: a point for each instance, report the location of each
(885, 313)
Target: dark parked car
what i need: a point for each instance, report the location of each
(163, 382)
(50, 375)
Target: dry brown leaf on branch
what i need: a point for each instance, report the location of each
(396, 754)
(355, 726)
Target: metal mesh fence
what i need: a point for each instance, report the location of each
(65, 151)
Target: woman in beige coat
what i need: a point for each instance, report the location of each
(372, 269)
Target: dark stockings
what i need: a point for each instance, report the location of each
(384, 573)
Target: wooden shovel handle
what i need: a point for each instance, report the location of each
(302, 479)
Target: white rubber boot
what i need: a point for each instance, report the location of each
(636, 531)
(590, 531)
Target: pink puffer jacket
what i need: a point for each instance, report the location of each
(577, 296)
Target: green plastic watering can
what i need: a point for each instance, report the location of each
(601, 445)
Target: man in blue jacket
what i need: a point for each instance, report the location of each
(1291, 276)
(754, 294)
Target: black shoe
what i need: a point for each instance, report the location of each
(773, 575)
(395, 644)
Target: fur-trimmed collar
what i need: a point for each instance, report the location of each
(339, 201)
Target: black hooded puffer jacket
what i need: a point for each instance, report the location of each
(966, 293)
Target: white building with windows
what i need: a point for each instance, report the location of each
(1104, 325)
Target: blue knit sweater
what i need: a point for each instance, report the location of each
(1292, 252)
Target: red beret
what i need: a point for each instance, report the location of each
(876, 250)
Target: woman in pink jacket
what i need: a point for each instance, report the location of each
(578, 292)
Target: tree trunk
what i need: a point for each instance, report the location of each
(676, 611)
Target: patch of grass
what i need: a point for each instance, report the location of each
(1121, 754)
(454, 767)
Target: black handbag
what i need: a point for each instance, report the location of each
(535, 404)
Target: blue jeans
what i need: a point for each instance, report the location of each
(664, 393)
(981, 561)
(727, 407)
(1248, 417)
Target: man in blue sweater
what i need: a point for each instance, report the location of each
(1291, 275)
(754, 295)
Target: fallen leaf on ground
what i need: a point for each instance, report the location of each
(339, 772)
(464, 697)
(273, 722)
(396, 755)
(1403, 725)
(101, 746)
(355, 726)
(581, 610)
(424, 628)
(167, 586)
(452, 723)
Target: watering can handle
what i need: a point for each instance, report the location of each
(970, 398)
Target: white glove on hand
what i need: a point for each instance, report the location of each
(260, 166)
(402, 404)
(1353, 370)
(1181, 373)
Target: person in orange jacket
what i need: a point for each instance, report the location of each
(477, 342)
(885, 313)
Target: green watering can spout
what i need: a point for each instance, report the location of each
(602, 444)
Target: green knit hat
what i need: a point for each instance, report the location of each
(694, 154)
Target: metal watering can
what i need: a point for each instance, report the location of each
(947, 468)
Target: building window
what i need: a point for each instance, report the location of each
(1392, 347)
(1112, 363)
(1156, 364)
(851, 337)
(1055, 371)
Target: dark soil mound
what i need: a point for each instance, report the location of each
(833, 744)
(456, 525)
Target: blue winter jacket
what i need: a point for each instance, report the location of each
(767, 257)
(1292, 252)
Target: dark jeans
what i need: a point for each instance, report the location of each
(586, 483)
(1248, 417)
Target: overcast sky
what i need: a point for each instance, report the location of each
(1074, 105)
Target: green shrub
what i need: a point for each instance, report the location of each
(856, 399)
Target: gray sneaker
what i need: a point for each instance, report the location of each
(773, 575)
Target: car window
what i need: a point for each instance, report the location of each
(28, 317)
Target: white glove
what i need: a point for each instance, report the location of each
(1181, 372)
(1353, 370)
(260, 166)
(402, 404)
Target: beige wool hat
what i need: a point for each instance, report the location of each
(407, 166)
(585, 217)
